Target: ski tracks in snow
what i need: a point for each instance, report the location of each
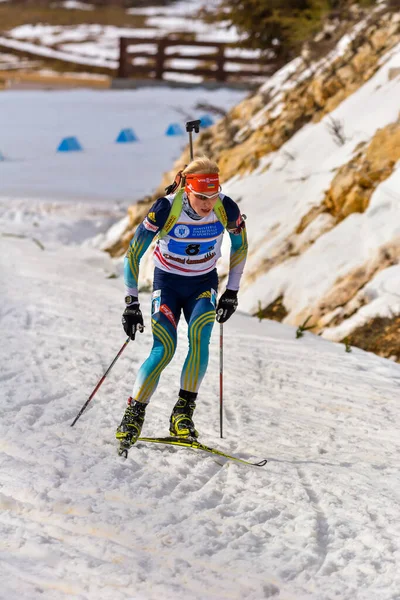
(331, 423)
(321, 521)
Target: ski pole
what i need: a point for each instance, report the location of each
(101, 381)
(190, 127)
(221, 375)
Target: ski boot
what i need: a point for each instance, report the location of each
(181, 424)
(131, 425)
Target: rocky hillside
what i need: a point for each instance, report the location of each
(311, 158)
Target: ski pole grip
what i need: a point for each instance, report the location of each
(193, 126)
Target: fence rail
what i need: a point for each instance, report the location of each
(169, 53)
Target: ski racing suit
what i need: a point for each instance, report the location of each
(185, 279)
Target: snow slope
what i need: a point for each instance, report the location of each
(320, 521)
(290, 182)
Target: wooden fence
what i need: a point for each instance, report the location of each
(166, 55)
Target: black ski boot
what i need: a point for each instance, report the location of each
(131, 424)
(181, 424)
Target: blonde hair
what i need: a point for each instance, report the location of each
(201, 165)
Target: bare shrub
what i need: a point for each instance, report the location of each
(336, 129)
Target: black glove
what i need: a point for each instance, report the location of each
(227, 305)
(132, 320)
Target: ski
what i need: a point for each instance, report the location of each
(195, 445)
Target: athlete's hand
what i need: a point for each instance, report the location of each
(132, 320)
(227, 305)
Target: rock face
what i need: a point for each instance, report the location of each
(257, 128)
(354, 183)
(281, 113)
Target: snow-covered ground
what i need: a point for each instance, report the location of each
(319, 522)
(93, 61)
(98, 45)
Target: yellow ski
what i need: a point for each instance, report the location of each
(195, 445)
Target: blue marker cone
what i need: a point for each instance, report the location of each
(174, 129)
(126, 136)
(69, 144)
(206, 121)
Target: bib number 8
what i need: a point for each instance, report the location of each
(192, 249)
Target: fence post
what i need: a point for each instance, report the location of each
(160, 58)
(123, 63)
(220, 74)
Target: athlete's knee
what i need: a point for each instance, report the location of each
(164, 342)
(199, 332)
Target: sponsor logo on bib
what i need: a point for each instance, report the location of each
(181, 231)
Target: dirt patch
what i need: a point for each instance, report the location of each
(275, 311)
(380, 335)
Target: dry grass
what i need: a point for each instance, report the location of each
(12, 15)
(29, 80)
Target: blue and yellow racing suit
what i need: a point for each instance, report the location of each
(185, 280)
